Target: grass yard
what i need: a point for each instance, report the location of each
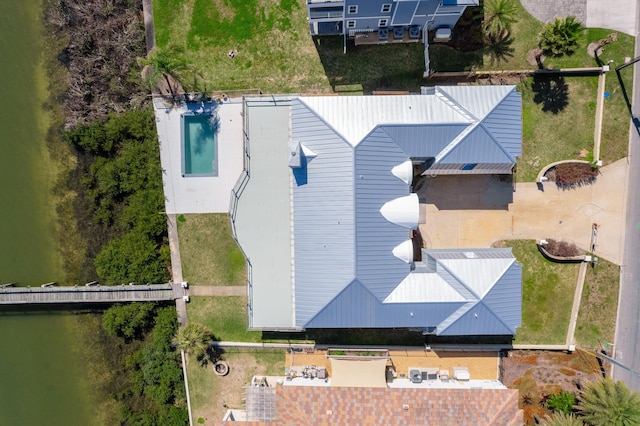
(548, 136)
(598, 307)
(547, 295)
(211, 394)
(274, 50)
(209, 254)
(226, 316)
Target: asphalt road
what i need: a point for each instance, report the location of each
(627, 338)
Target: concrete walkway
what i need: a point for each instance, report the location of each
(149, 29)
(531, 214)
(575, 309)
(205, 290)
(617, 15)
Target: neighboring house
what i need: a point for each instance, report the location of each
(327, 215)
(351, 17)
(386, 21)
(432, 402)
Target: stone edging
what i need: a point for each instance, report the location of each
(559, 259)
(548, 166)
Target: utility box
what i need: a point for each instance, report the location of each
(443, 35)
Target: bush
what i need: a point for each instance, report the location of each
(562, 402)
(562, 248)
(569, 175)
(561, 36)
(128, 321)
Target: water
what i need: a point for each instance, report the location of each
(42, 378)
(199, 145)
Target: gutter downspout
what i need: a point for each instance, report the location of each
(425, 39)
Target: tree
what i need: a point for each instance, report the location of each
(128, 321)
(562, 402)
(562, 419)
(561, 36)
(164, 64)
(606, 402)
(193, 338)
(498, 17)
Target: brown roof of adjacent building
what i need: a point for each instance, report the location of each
(301, 405)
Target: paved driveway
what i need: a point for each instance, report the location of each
(533, 214)
(617, 15)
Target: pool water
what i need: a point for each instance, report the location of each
(199, 145)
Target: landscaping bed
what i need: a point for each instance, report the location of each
(538, 374)
(570, 175)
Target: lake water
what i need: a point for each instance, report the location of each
(42, 378)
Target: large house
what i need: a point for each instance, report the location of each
(386, 21)
(327, 214)
(413, 17)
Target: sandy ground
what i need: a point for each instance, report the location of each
(482, 365)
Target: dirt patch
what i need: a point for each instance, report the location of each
(538, 374)
(218, 393)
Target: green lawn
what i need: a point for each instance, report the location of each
(598, 307)
(274, 50)
(209, 254)
(225, 316)
(547, 297)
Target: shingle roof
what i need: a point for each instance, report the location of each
(396, 406)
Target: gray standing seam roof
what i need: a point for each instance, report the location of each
(344, 268)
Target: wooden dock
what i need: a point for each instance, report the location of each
(90, 294)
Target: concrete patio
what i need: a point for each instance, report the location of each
(199, 194)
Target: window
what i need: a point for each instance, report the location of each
(353, 9)
(383, 22)
(469, 166)
(351, 24)
(386, 8)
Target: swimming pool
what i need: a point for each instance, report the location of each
(199, 145)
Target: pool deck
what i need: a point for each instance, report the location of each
(199, 194)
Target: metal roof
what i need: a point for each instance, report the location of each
(263, 222)
(344, 270)
(353, 117)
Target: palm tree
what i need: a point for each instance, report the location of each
(561, 36)
(498, 17)
(562, 419)
(164, 64)
(606, 402)
(193, 338)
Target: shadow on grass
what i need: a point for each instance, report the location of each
(552, 92)
(372, 67)
(500, 51)
(380, 337)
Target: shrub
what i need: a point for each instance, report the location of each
(562, 248)
(562, 402)
(561, 36)
(569, 175)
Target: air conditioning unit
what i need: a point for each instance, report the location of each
(443, 35)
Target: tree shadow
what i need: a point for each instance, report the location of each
(500, 50)
(552, 92)
(365, 68)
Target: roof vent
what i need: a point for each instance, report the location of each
(404, 251)
(295, 159)
(403, 211)
(404, 172)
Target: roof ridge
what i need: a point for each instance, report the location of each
(507, 405)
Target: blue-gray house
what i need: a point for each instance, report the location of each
(325, 212)
(351, 17)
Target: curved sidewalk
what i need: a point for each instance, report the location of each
(617, 15)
